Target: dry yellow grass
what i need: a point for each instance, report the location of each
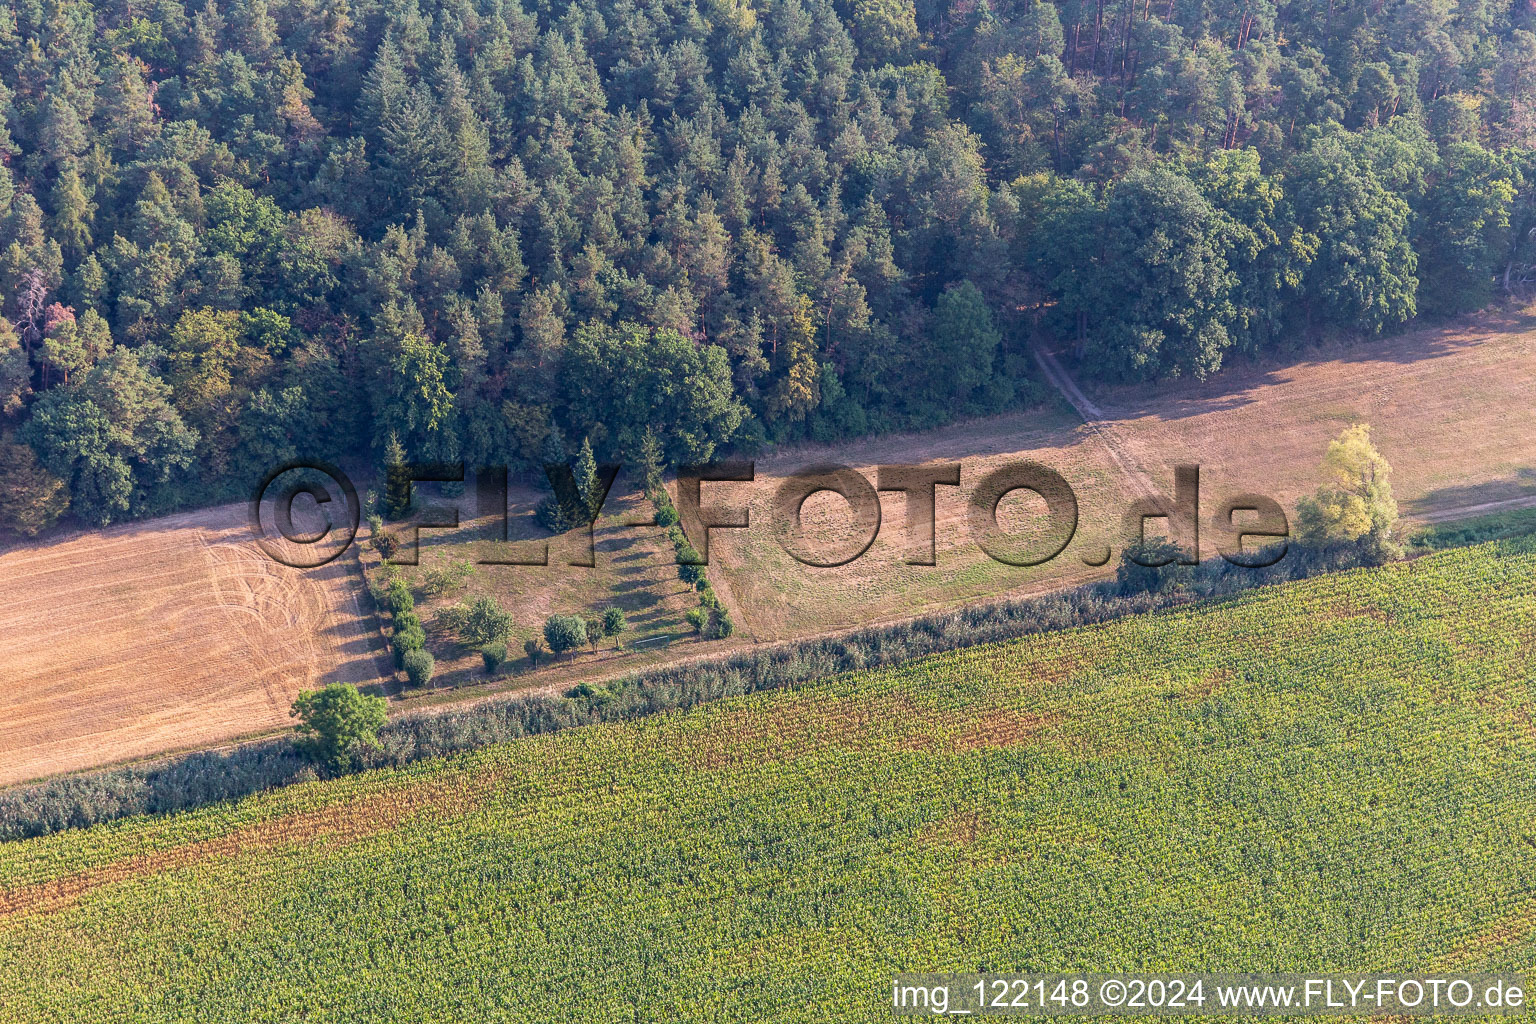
(777, 597)
(166, 634)
(1452, 408)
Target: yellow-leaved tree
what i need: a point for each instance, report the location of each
(1355, 503)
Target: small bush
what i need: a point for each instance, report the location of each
(719, 626)
(533, 647)
(698, 618)
(397, 597)
(478, 624)
(666, 515)
(493, 655)
(405, 641)
(442, 579)
(614, 621)
(419, 666)
(556, 517)
(1153, 567)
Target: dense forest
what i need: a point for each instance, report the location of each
(235, 233)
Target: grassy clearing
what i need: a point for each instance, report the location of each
(635, 570)
(1320, 776)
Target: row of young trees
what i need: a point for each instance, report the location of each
(236, 233)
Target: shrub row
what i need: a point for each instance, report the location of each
(711, 619)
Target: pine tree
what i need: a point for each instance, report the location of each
(71, 214)
(651, 462)
(585, 475)
(397, 479)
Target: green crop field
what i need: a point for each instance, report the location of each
(1338, 774)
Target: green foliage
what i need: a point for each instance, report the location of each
(614, 621)
(336, 722)
(478, 623)
(1363, 276)
(442, 579)
(1153, 566)
(977, 771)
(493, 655)
(31, 498)
(564, 632)
(697, 617)
(533, 647)
(397, 479)
(397, 596)
(631, 379)
(408, 636)
(719, 624)
(238, 238)
(652, 463)
(419, 666)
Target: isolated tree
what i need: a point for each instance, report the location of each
(479, 623)
(336, 723)
(584, 474)
(533, 647)
(594, 627)
(652, 462)
(397, 479)
(614, 621)
(564, 632)
(1355, 504)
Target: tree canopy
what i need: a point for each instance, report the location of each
(493, 230)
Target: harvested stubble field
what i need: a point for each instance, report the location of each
(778, 597)
(1451, 408)
(171, 633)
(1323, 775)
